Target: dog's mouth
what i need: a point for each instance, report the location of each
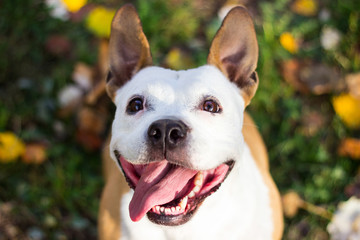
(169, 194)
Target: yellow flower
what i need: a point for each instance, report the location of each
(99, 21)
(305, 7)
(74, 5)
(348, 109)
(288, 42)
(11, 147)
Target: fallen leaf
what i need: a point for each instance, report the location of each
(321, 79)
(290, 71)
(308, 76)
(350, 147)
(89, 140)
(34, 153)
(58, 45)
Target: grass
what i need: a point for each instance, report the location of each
(59, 198)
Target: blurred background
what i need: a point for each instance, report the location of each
(55, 115)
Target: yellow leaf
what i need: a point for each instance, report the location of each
(99, 21)
(11, 147)
(288, 42)
(305, 7)
(348, 109)
(74, 5)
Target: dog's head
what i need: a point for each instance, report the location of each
(177, 134)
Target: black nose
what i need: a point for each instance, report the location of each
(167, 133)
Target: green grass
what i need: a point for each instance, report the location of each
(60, 197)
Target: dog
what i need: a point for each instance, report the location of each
(193, 163)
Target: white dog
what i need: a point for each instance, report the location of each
(195, 163)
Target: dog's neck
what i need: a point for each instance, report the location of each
(221, 212)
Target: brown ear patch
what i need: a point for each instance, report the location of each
(234, 51)
(129, 50)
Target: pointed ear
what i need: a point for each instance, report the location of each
(234, 51)
(129, 49)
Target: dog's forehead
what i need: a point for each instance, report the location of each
(170, 85)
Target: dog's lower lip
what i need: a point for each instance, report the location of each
(182, 208)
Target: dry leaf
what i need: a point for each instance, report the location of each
(308, 76)
(58, 45)
(34, 153)
(290, 70)
(89, 140)
(291, 202)
(350, 147)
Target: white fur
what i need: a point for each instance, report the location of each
(214, 138)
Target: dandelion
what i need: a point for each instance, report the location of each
(11, 147)
(348, 109)
(74, 5)
(305, 7)
(288, 42)
(99, 21)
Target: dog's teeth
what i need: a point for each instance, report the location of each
(162, 209)
(157, 208)
(177, 208)
(173, 209)
(196, 189)
(191, 194)
(183, 202)
(167, 210)
(199, 179)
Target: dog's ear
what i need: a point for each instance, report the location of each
(234, 51)
(129, 49)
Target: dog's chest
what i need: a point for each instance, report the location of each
(240, 209)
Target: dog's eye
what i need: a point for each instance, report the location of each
(211, 106)
(135, 106)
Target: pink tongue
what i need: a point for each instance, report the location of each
(159, 184)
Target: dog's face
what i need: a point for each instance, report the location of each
(177, 134)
